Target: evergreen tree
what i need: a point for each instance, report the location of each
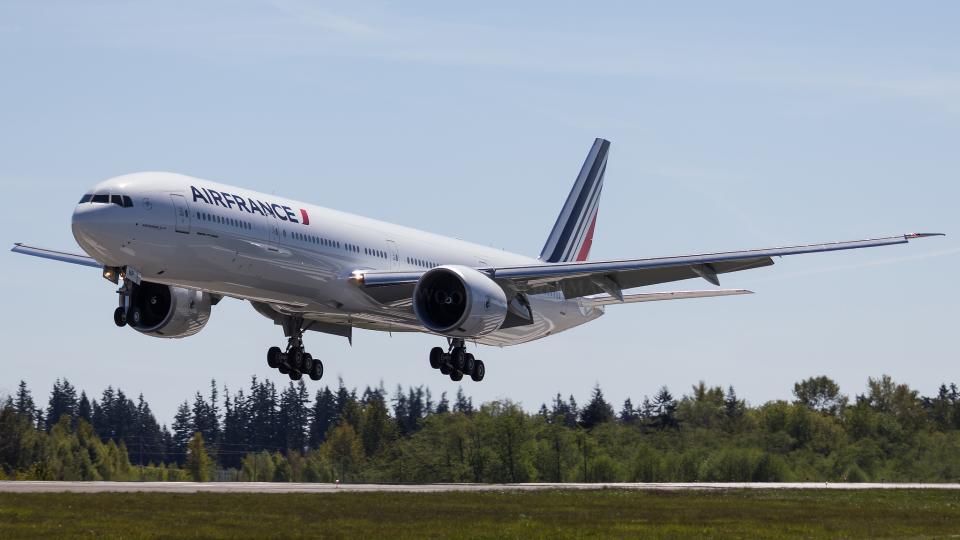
(344, 400)
(376, 427)
(628, 414)
(206, 415)
(24, 405)
(647, 410)
(733, 408)
(544, 412)
(664, 410)
(235, 437)
(416, 408)
(401, 412)
(322, 417)
(597, 411)
(443, 406)
(147, 444)
(102, 423)
(463, 404)
(573, 413)
(63, 401)
(560, 411)
(123, 418)
(293, 416)
(182, 433)
(84, 409)
(264, 434)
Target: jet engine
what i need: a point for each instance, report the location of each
(165, 311)
(459, 301)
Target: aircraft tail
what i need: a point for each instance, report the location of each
(572, 234)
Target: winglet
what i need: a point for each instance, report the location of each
(911, 236)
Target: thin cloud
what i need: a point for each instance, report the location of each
(307, 14)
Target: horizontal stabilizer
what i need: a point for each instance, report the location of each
(606, 299)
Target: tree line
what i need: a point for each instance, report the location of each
(887, 433)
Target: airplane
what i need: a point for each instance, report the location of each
(179, 245)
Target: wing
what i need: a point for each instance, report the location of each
(55, 255)
(579, 279)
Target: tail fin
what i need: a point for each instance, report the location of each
(572, 234)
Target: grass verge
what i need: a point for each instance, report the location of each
(542, 514)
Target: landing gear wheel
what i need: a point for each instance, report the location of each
(120, 317)
(295, 375)
(273, 357)
(468, 363)
(316, 370)
(445, 368)
(307, 363)
(479, 370)
(456, 375)
(436, 357)
(457, 357)
(295, 359)
(283, 369)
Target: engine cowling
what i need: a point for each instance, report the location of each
(459, 301)
(168, 312)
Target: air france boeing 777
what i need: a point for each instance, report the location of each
(181, 244)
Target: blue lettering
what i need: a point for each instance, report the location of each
(290, 214)
(217, 199)
(198, 195)
(254, 207)
(241, 204)
(266, 209)
(277, 211)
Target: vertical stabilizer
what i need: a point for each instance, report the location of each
(572, 234)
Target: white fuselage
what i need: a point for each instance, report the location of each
(296, 257)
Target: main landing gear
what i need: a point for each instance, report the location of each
(294, 362)
(457, 362)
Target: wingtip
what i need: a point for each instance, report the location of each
(911, 236)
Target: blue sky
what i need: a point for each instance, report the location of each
(734, 125)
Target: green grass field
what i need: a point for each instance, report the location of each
(546, 514)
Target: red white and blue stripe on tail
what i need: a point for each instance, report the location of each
(572, 234)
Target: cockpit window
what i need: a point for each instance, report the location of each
(120, 200)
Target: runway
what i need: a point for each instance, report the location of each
(270, 487)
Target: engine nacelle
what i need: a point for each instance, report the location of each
(168, 312)
(459, 301)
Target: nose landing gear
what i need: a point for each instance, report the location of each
(294, 361)
(457, 362)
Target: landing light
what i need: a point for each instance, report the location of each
(111, 274)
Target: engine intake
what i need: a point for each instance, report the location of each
(459, 301)
(168, 312)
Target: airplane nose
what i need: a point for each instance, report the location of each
(96, 229)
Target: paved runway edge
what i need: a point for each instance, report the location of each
(268, 487)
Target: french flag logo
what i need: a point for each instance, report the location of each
(305, 216)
